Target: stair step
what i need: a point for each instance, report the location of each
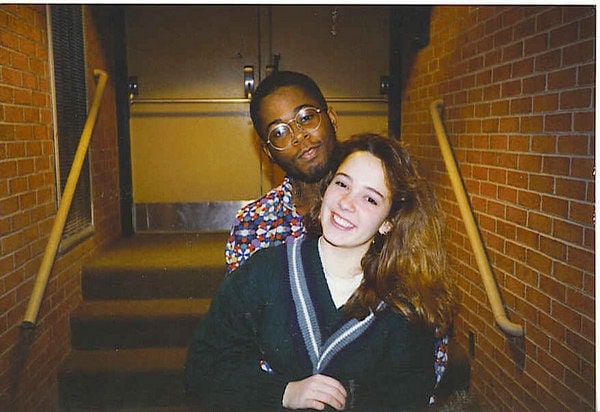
(136, 323)
(157, 266)
(134, 378)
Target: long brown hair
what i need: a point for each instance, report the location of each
(406, 268)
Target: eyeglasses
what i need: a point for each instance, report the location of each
(281, 136)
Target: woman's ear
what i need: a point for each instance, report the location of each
(385, 227)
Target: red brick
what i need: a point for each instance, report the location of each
(539, 261)
(583, 388)
(536, 44)
(587, 26)
(502, 37)
(18, 185)
(528, 237)
(574, 144)
(571, 188)
(538, 299)
(521, 105)
(543, 144)
(551, 365)
(548, 61)
(590, 193)
(533, 84)
(562, 79)
(558, 122)
(515, 215)
(555, 206)
(564, 35)
(581, 212)
(582, 346)
(586, 74)
(529, 200)
(514, 51)
(581, 302)
(554, 327)
(567, 396)
(511, 88)
(579, 53)
(25, 166)
(541, 183)
(549, 19)
(583, 122)
(530, 163)
(576, 99)
(569, 275)
(556, 165)
(581, 258)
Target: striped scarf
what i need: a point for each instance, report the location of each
(319, 353)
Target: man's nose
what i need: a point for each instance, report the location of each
(298, 134)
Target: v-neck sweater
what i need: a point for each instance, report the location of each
(251, 345)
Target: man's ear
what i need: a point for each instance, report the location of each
(385, 228)
(265, 149)
(332, 116)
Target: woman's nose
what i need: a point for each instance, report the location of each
(346, 202)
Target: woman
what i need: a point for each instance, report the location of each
(341, 320)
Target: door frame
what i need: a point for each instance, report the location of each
(122, 105)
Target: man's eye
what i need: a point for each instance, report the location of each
(279, 132)
(305, 118)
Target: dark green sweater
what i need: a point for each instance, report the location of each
(253, 318)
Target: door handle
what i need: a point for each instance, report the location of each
(248, 81)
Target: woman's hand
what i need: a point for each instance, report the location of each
(314, 392)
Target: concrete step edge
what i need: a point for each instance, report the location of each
(124, 361)
(140, 309)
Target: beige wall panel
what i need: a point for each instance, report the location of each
(208, 152)
(192, 152)
(191, 50)
(188, 157)
(354, 118)
(345, 49)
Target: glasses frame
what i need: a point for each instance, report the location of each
(298, 125)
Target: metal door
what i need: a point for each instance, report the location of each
(195, 156)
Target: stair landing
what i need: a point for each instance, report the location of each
(142, 298)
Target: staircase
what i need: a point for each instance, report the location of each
(142, 299)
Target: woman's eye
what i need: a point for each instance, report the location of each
(340, 184)
(372, 201)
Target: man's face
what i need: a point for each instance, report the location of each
(308, 157)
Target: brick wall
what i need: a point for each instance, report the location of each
(29, 359)
(518, 85)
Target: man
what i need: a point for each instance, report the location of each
(298, 132)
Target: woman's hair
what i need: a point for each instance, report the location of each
(405, 268)
(280, 79)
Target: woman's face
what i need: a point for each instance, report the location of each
(356, 203)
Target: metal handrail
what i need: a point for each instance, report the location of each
(232, 100)
(41, 281)
(474, 236)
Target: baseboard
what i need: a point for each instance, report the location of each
(185, 217)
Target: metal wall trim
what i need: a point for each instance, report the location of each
(247, 101)
(185, 217)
